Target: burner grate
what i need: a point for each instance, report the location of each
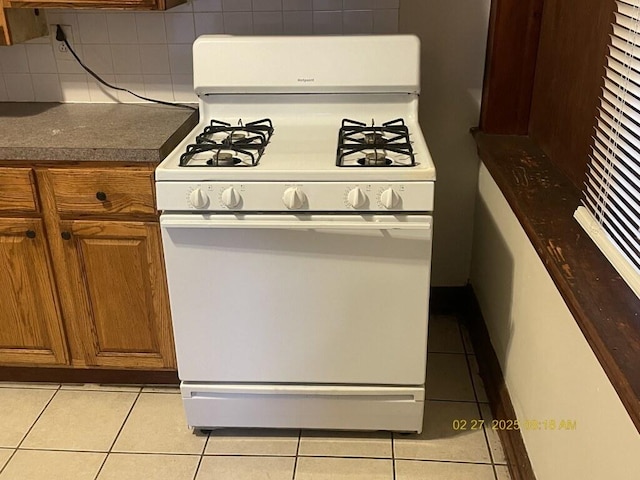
(387, 145)
(221, 144)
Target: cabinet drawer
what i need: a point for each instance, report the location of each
(17, 190)
(103, 191)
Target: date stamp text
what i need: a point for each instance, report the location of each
(548, 424)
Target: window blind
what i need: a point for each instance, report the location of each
(610, 211)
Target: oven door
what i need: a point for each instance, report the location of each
(310, 299)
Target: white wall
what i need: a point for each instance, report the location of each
(150, 52)
(550, 370)
(453, 35)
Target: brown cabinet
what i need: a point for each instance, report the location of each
(122, 312)
(30, 323)
(103, 191)
(22, 20)
(31, 330)
(106, 4)
(18, 191)
(86, 283)
(20, 25)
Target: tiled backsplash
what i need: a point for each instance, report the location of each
(150, 52)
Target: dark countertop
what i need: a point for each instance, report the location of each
(91, 131)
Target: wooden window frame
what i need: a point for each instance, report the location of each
(536, 123)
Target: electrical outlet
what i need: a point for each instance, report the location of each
(60, 50)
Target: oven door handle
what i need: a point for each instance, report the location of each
(185, 221)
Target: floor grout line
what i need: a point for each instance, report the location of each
(295, 461)
(479, 409)
(180, 454)
(135, 401)
(495, 472)
(466, 462)
(428, 460)
(206, 443)
(348, 457)
(462, 338)
(202, 452)
(15, 450)
(24, 437)
(195, 474)
(115, 439)
(16, 386)
(393, 454)
(101, 466)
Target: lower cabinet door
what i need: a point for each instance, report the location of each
(117, 271)
(30, 323)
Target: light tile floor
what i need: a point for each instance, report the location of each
(103, 432)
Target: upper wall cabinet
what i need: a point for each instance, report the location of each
(20, 25)
(21, 20)
(114, 4)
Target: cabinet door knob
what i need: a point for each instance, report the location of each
(31, 234)
(101, 196)
(66, 236)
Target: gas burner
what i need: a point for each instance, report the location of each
(222, 145)
(223, 159)
(387, 145)
(229, 139)
(236, 137)
(375, 159)
(212, 155)
(374, 138)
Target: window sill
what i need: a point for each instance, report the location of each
(605, 308)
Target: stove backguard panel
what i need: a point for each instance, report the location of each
(306, 64)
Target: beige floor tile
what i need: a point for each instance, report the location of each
(309, 468)
(40, 465)
(132, 466)
(80, 420)
(345, 444)
(440, 441)
(502, 472)
(246, 441)
(100, 387)
(48, 386)
(495, 446)
(448, 378)
(246, 468)
(19, 408)
(478, 384)
(444, 335)
(5, 455)
(157, 424)
(408, 470)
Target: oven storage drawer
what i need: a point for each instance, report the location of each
(336, 407)
(310, 299)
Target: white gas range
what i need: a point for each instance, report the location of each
(296, 223)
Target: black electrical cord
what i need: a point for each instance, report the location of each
(61, 37)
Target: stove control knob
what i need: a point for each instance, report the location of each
(356, 198)
(198, 198)
(293, 198)
(230, 197)
(389, 198)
